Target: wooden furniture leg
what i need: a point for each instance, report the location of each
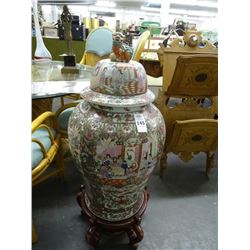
(34, 234)
(135, 234)
(209, 164)
(92, 235)
(163, 162)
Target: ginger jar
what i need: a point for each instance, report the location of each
(116, 135)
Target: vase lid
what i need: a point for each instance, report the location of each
(118, 84)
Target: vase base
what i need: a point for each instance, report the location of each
(97, 226)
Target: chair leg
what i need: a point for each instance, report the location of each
(163, 163)
(209, 165)
(62, 101)
(34, 234)
(64, 146)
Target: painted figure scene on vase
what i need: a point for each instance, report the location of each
(113, 157)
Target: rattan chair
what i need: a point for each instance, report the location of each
(45, 148)
(62, 116)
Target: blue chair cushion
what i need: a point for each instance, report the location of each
(100, 42)
(63, 118)
(43, 136)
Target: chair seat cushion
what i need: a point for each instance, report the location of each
(42, 135)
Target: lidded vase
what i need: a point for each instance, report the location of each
(116, 135)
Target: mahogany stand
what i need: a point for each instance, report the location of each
(97, 225)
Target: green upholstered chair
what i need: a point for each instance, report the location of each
(62, 117)
(98, 46)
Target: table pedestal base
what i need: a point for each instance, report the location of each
(70, 70)
(97, 225)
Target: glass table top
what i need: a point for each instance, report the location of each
(48, 81)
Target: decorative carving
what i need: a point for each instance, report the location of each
(192, 37)
(67, 22)
(69, 57)
(201, 77)
(190, 76)
(190, 101)
(191, 42)
(187, 104)
(196, 138)
(196, 75)
(121, 51)
(185, 156)
(189, 137)
(201, 74)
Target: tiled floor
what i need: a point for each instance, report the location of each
(181, 214)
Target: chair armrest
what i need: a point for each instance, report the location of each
(40, 119)
(49, 131)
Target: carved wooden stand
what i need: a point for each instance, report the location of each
(97, 225)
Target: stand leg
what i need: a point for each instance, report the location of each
(97, 225)
(92, 236)
(79, 198)
(135, 234)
